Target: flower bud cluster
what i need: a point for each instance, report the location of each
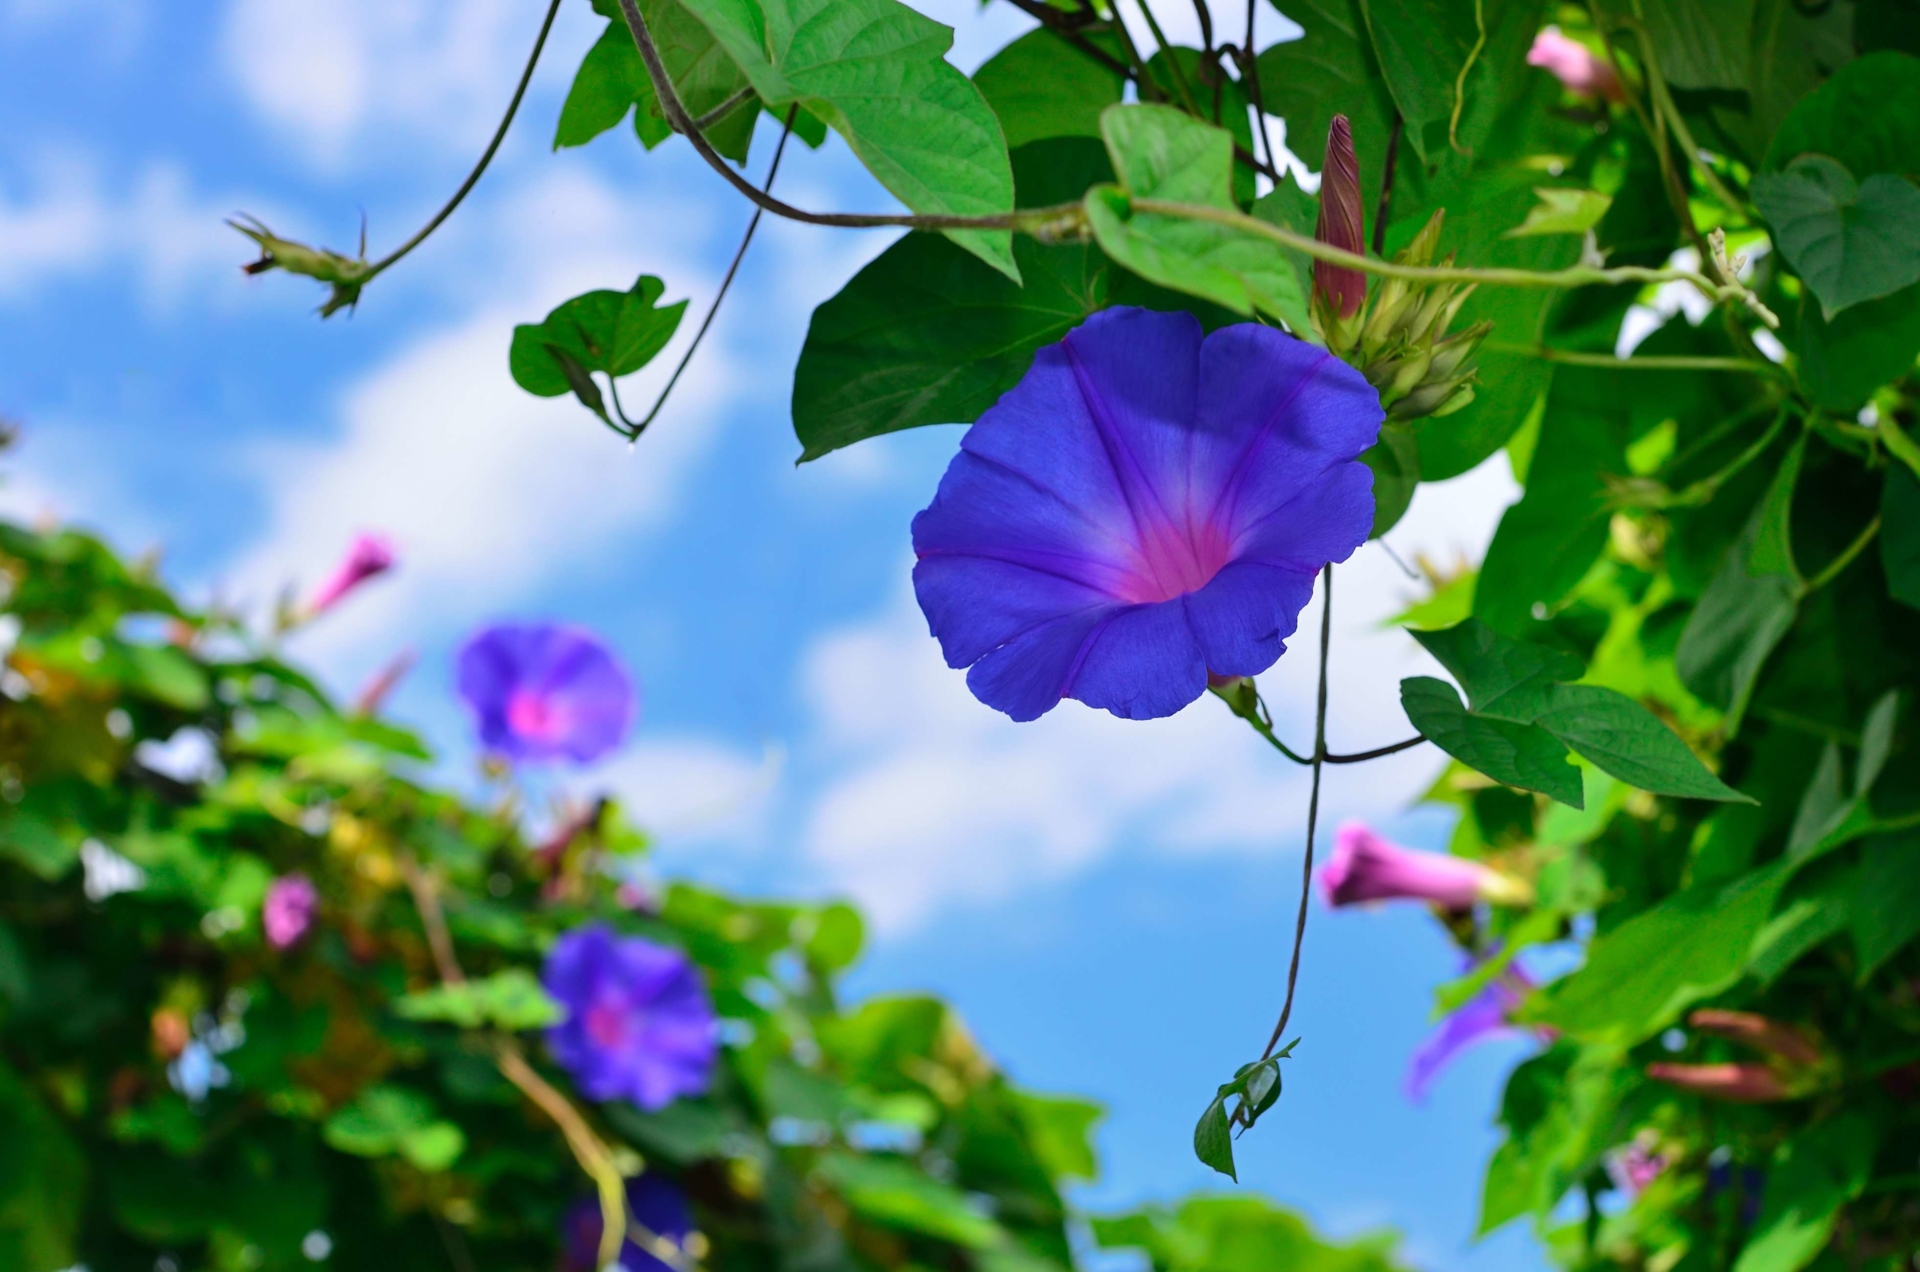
(1400, 340)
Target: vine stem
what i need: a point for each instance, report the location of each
(486, 157)
(589, 1150)
(1313, 811)
(635, 429)
(1649, 362)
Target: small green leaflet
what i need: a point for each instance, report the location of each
(1563, 210)
(388, 1120)
(1254, 1089)
(876, 72)
(1848, 240)
(608, 331)
(510, 1000)
(1160, 153)
(1521, 720)
(612, 80)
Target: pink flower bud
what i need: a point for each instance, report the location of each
(1780, 1041)
(1575, 65)
(1736, 1083)
(1366, 867)
(1342, 222)
(369, 554)
(288, 910)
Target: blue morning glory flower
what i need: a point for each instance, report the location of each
(1146, 506)
(639, 1024)
(544, 691)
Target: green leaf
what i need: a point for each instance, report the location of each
(1060, 1129)
(1421, 46)
(1213, 1139)
(1504, 678)
(876, 72)
(36, 842)
(608, 331)
(1395, 461)
(1702, 43)
(433, 1147)
(1639, 977)
(1160, 153)
(1624, 739)
(1546, 543)
(1885, 916)
(1811, 1177)
(1873, 343)
(377, 1120)
(1900, 534)
(1041, 86)
(1849, 241)
(1861, 117)
(1563, 210)
(890, 1191)
(43, 1181)
(1750, 604)
(1329, 70)
(613, 79)
(1520, 755)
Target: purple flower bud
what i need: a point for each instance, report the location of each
(288, 910)
(1575, 65)
(639, 1024)
(368, 555)
(1342, 222)
(545, 692)
(1366, 867)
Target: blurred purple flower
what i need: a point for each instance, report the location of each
(1365, 867)
(653, 1203)
(288, 910)
(544, 692)
(367, 556)
(1486, 1015)
(639, 1024)
(1146, 507)
(1575, 65)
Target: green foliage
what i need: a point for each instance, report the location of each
(1849, 240)
(876, 72)
(1236, 1234)
(612, 80)
(1040, 86)
(612, 332)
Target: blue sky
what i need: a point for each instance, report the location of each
(1107, 902)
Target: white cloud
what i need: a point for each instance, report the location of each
(336, 73)
(66, 219)
(940, 801)
(689, 790)
(487, 491)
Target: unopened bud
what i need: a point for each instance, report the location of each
(1735, 1083)
(1342, 223)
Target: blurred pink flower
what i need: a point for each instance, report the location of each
(1575, 65)
(1635, 1166)
(368, 555)
(288, 910)
(1366, 867)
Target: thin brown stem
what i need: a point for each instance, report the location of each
(773, 169)
(1384, 208)
(1313, 812)
(1361, 757)
(486, 157)
(433, 919)
(724, 109)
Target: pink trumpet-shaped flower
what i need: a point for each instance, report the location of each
(367, 556)
(1575, 65)
(1366, 867)
(1782, 1042)
(1744, 1083)
(288, 910)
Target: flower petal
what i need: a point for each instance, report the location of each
(1243, 618)
(1141, 663)
(1026, 677)
(975, 605)
(1294, 410)
(1321, 524)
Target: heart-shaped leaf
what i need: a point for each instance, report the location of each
(1848, 240)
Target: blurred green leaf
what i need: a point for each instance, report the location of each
(1900, 534)
(512, 1000)
(1702, 43)
(889, 1191)
(1813, 1175)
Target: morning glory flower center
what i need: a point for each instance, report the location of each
(533, 715)
(1171, 560)
(607, 1021)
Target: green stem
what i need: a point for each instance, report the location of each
(1700, 492)
(1573, 276)
(1898, 444)
(1836, 566)
(1676, 362)
(1173, 63)
(1313, 810)
(486, 157)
